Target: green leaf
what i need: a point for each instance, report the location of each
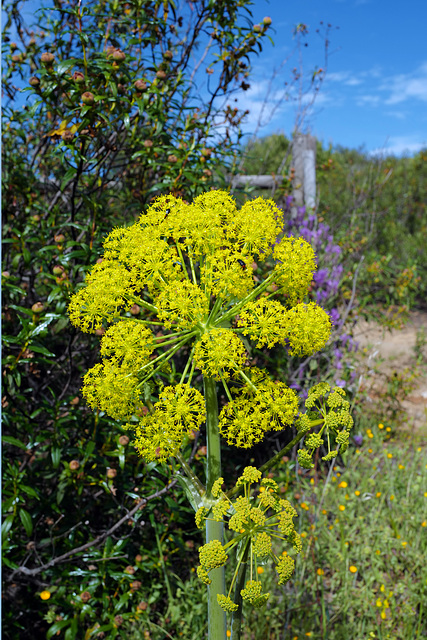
(14, 441)
(29, 491)
(42, 350)
(68, 176)
(64, 65)
(57, 626)
(26, 521)
(6, 527)
(56, 456)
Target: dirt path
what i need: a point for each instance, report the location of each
(389, 351)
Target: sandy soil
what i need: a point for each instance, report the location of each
(387, 351)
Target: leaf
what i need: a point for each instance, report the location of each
(26, 521)
(29, 491)
(71, 633)
(57, 626)
(64, 65)
(14, 441)
(6, 527)
(56, 456)
(67, 178)
(43, 351)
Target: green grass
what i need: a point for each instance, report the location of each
(362, 573)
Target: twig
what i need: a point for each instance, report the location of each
(97, 540)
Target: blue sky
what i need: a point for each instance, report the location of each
(375, 89)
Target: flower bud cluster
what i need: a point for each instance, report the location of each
(259, 518)
(329, 407)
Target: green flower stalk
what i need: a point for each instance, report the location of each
(189, 268)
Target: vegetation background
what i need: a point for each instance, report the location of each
(95, 542)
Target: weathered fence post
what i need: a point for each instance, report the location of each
(304, 164)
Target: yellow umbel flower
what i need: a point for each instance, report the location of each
(256, 226)
(180, 410)
(245, 419)
(113, 389)
(227, 274)
(219, 353)
(182, 304)
(264, 321)
(309, 328)
(295, 267)
(128, 341)
(189, 268)
(252, 594)
(256, 522)
(109, 290)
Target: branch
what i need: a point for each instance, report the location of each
(97, 540)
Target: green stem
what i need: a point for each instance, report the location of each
(217, 624)
(197, 485)
(236, 620)
(253, 294)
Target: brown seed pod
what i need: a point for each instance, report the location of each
(37, 307)
(47, 58)
(78, 77)
(140, 85)
(119, 55)
(88, 98)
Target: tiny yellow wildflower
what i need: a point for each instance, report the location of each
(341, 507)
(389, 455)
(352, 568)
(378, 552)
(260, 570)
(388, 429)
(228, 633)
(45, 595)
(392, 497)
(401, 466)
(357, 493)
(343, 484)
(378, 494)
(380, 426)
(404, 543)
(320, 572)
(424, 523)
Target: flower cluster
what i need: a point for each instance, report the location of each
(189, 268)
(257, 520)
(328, 407)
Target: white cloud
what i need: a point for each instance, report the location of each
(401, 145)
(372, 101)
(409, 86)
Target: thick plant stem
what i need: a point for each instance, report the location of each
(217, 624)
